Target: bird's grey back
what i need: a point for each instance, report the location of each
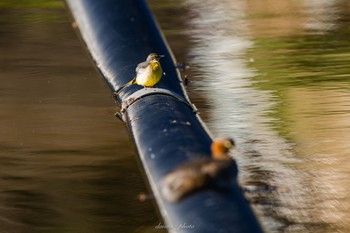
(142, 65)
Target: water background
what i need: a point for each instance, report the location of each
(275, 76)
(272, 74)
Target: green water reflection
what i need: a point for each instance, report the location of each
(275, 75)
(31, 3)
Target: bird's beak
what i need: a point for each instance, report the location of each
(160, 56)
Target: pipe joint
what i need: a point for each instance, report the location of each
(137, 95)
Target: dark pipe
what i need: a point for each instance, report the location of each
(119, 34)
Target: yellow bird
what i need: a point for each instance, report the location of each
(148, 73)
(218, 172)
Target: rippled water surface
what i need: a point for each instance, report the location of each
(66, 163)
(272, 74)
(275, 76)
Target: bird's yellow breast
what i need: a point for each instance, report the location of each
(151, 76)
(155, 66)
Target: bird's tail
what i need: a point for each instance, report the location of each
(125, 85)
(176, 186)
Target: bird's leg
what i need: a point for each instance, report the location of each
(183, 67)
(114, 96)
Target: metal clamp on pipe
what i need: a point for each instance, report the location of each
(137, 95)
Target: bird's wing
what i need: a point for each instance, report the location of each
(184, 180)
(141, 66)
(221, 172)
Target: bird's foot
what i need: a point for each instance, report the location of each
(146, 88)
(115, 95)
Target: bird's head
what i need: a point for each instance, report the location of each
(154, 57)
(220, 148)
